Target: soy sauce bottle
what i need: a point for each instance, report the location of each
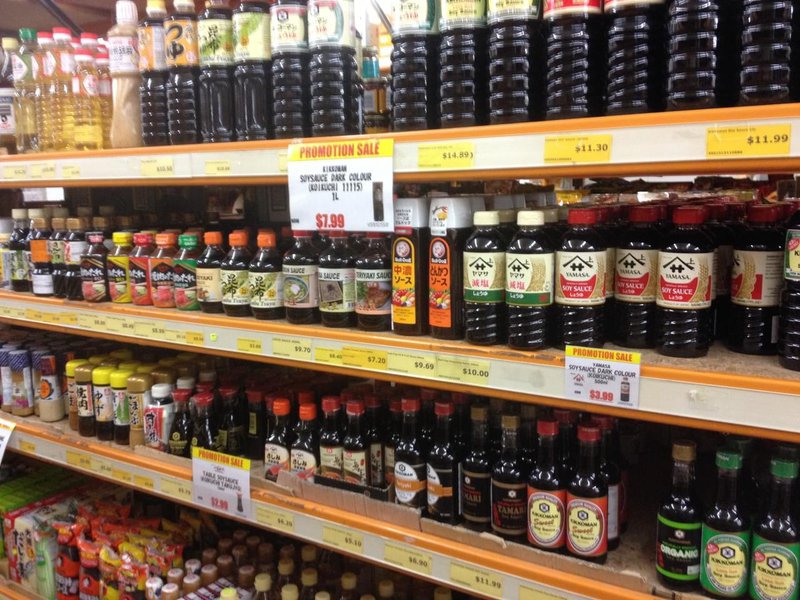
(587, 501)
(723, 238)
(300, 281)
(509, 484)
(410, 476)
(252, 74)
(182, 431)
(209, 281)
(789, 323)
(234, 277)
(182, 62)
(266, 280)
(612, 475)
(409, 277)
(304, 453)
(476, 474)
(355, 454)
(331, 443)
(693, 54)
(374, 285)
(276, 449)
(215, 83)
(547, 492)
(443, 468)
(153, 67)
(337, 282)
(484, 281)
(291, 86)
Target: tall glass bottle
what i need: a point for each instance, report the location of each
(291, 85)
(355, 451)
(547, 492)
(612, 475)
(266, 280)
(252, 74)
(443, 468)
(27, 133)
(331, 443)
(209, 280)
(509, 483)
(304, 454)
(476, 474)
(373, 278)
(276, 450)
(587, 501)
(300, 281)
(410, 460)
(153, 68)
(215, 84)
(234, 276)
(484, 281)
(183, 59)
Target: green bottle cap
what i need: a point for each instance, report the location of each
(187, 241)
(728, 459)
(27, 35)
(787, 469)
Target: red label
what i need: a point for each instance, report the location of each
(161, 283)
(581, 278)
(563, 7)
(587, 525)
(685, 280)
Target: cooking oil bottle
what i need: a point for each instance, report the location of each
(43, 67)
(24, 88)
(61, 88)
(104, 89)
(87, 116)
(8, 130)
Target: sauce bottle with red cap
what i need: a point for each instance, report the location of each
(300, 280)
(685, 287)
(579, 311)
(410, 477)
(355, 454)
(276, 449)
(234, 276)
(209, 282)
(723, 238)
(140, 269)
(547, 492)
(443, 468)
(587, 501)
(330, 439)
(756, 281)
(304, 454)
(162, 285)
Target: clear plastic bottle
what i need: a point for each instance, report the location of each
(24, 93)
(153, 68)
(43, 65)
(85, 89)
(252, 75)
(291, 86)
(104, 87)
(8, 128)
(183, 58)
(767, 52)
(61, 88)
(123, 48)
(215, 40)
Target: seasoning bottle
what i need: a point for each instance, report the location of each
(374, 436)
(300, 281)
(443, 468)
(126, 125)
(476, 474)
(55, 249)
(158, 416)
(121, 406)
(392, 439)
(410, 477)
(41, 273)
(612, 476)
(509, 485)
(49, 400)
(139, 386)
(723, 238)
(587, 501)
(184, 273)
(484, 281)
(266, 280)
(85, 399)
(94, 277)
(304, 454)
(209, 282)
(374, 285)
(276, 449)
(330, 439)
(355, 455)
(181, 432)
(75, 247)
(409, 281)
(547, 492)
(118, 267)
(337, 282)
(234, 271)
(204, 433)
(256, 424)
(18, 244)
(161, 264)
(72, 393)
(139, 260)
(231, 436)
(103, 402)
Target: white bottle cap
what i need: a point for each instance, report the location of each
(486, 217)
(161, 390)
(127, 14)
(185, 383)
(19, 213)
(36, 213)
(530, 217)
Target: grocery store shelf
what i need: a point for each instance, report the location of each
(673, 143)
(13, 591)
(725, 391)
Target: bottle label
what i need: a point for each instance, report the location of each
(303, 464)
(235, 287)
(371, 106)
(440, 492)
(7, 122)
(276, 459)
(184, 276)
(440, 284)
(587, 530)
(21, 67)
(774, 570)
(404, 282)
(722, 270)
(85, 85)
(581, 278)
(93, 278)
(791, 265)
(122, 416)
(502, 10)
(376, 465)
(123, 55)
(161, 282)
(73, 251)
(136, 403)
(19, 266)
(66, 62)
(104, 87)
(462, 13)
(415, 16)
(354, 466)
(140, 281)
(288, 28)
(685, 281)
(613, 511)
(678, 549)
(546, 520)
(373, 291)
(337, 290)
(723, 561)
(152, 48)
(209, 285)
(85, 399)
(49, 63)
(42, 283)
(216, 42)
(331, 23)
(251, 37)
(119, 281)
(410, 483)
(266, 290)
(103, 403)
(300, 286)
(636, 272)
(177, 444)
(529, 279)
(331, 461)
(55, 248)
(509, 508)
(617, 4)
(476, 500)
(557, 8)
(484, 276)
(388, 465)
(181, 43)
(756, 278)
(157, 425)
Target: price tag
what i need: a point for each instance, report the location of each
(343, 539)
(364, 358)
(32, 314)
(455, 155)
(599, 376)
(92, 322)
(26, 446)
(408, 558)
(43, 171)
(49, 317)
(70, 172)
(121, 475)
(478, 580)
(144, 482)
(115, 324)
(526, 593)
(422, 365)
(276, 519)
(69, 319)
(748, 140)
(221, 482)
(79, 459)
(327, 356)
(158, 331)
(174, 336)
(15, 172)
(298, 348)
(157, 167)
(249, 345)
(577, 149)
(153, 331)
(342, 185)
(283, 161)
(218, 168)
(101, 466)
(6, 429)
(465, 370)
(180, 489)
(195, 338)
(16, 313)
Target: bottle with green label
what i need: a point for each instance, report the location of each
(234, 276)
(485, 281)
(725, 546)
(266, 280)
(215, 84)
(184, 273)
(776, 539)
(252, 74)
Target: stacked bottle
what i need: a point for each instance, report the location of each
(252, 74)
(88, 125)
(215, 84)
(183, 98)
(153, 68)
(24, 70)
(291, 102)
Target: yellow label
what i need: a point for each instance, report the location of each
(343, 539)
(218, 168)
(364, 358)
(16, 313)
(43, 171)
(748, 140)
(362, 148)
(248, 345)
(68, 319)
(32, 314)
(577, 149)
(92, 322)
(283, 161)
(157, 167)
(180, 489)
(526, 593)
(408, 558)
(15, 172)
(195, 338)
(465, 370)
(144, 482)
(478, 580)
(27, 447)
(120, 475)
(70, 172)
(227, 460)
(157, 332)
(633, 358)
(174, 336)
(274, 518)
(101, 466)
(120, 325)
(298, 348)
(422, 365)
(50, 317)
(79, 459)
(327, 356)
(455, 155)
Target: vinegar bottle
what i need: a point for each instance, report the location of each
(123, 43)
(291, 86)
(183, 58)
(88, 118)
(24, 92)
(215, 35)
(484, 281)
(43, 65)
(63, 55)
(153, 68)
(252, 74)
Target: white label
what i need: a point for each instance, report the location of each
(123, 54)
(756, 278)
(276, 459)
(6, 429)
(300, 286)
(613, 511)
(19, 68)
(685, 281)
(221, 482)
(7, 122)
(484, 276)
(408, 483)
(209, 285)
(266, 290)
(42, 284)
(331, 461)
(581, 278)
(103, 403)
(636, 275)
(529, 279)
(599, 376)
(354, 465)
(337, 290)
(415, 16)
(331, 23)
(303, 463)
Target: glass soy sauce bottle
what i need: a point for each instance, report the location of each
(355, 454)
(509, 483)
(476, 474)
(587, 501)
(331, 442)
(234, 277)
(410, 480)
(373, 270)
(337, 282)
(300, 281)
(266, 280)
(209, 286)
(75, 247)
(443, 468)
(182, 431)
(547, 492)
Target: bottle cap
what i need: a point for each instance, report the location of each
(547, 427)
(478, 412)
(385, 588)
(308, 577)
(181, 394)
(442, 593)
(122, 238)
(410, 404)
(509, 422)
(285, 566)
(212, 238)
(183, 5)
(156, 7)
(161, 390)
(582, 216)
(349, 581)
(644, 214)
(10, 44)
(44, 36)
(443, 408)
(62, 33)
(26, 34)
(372, 401)
(289, 591)
(604, 422)
(281, 407)
(322, 596)
(587, 433)
(119, 378)
(229, 594)
(203, 399)
(727, 459)
(763, 213)
(95, 237)
(166, 239)
(530, 218)
(689, 215)
(331, 403)
(140, 239)
(19, 214)
(305, 396)
(308, 554)
(486, 217)
(308, 412)
(71, 365)
(237, 238)
(786, 469)
(127, 13)
(263, 582)
(102, 375)
(88, 38)
(187, 240)
(266, 239)
(254, 395)
(355, 407)
(684, 451)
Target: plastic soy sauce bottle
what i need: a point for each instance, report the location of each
(547, 492)
(769, 66)
(579, 311)
(692, 67)
(94, 274)
(266, 280)
(252, 74)
(183, 58)
(529, 282)
(300, 281)
(374, 285)
(636, 279)
(118, 264)
(723, 238)
(234, 277)
(443, 468)
(509, 484)
(409, 280)
(184, 273)
(685, 285)
(587, 501)
(484, 281)
(304, 453)
(161, 262)
(756, 283)
(337, 282)
(153, 67)
(215, 84)
(291, 85)
(476, 474)
(410, 477)
(209, 281)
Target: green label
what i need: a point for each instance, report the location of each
(235, 287)
(484, 276)
(216, 42)
(19, 266)
(678, 549)
(266, 290)
(184, 276)
(529, 279)
(724, 562)
(774, 570)
(791, 267)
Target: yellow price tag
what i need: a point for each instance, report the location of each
(327, 356)
(577, 149)
(27, 447)
(4, 311)
(43, 171)
(70, 172)
(364, 358)
(92, 322)
(298, 348)
(16, 313)
(454, 155)
(79, 459)
(526, 593)
(195, 338)
(49, 317)
(465, 370)
(276, 519)
(181, 489)
(422, 365)
(15, 172)
(101, 466)
(283, 161)
(157, 167)
(31, 314)
(144, 482)
(748, 140)
(69, 319)
(478, 580)
(121, 475)
(408, 558)
(218, 168)
(115, 324)
(343, 539)
(248, 345)
(158, 331)
(174, 336)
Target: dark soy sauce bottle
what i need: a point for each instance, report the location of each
(684, 313)
(567, 441)
(410, 476)
(153, 86)
(756, 283)
(209, 286)
(509, 484)
(234, 276)
(529, 282)
(331, 440)
(723, 238)
(636, 278)
(252, 73)
(337, 282)
(215, 33)
(692, 63)
(612, 475)
(300, 281)
(789, 324)
(291, 86)
(443, 468)
(183, 56)
(180, 435)
(374, 285)
(587, 501)
(266, 280)
(484, 281)
(476, 474)
(547, 492)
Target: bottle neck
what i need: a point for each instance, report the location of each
(682, 477)
(509, 442)
(409, 425)
(588, 457)
(728, 487)
(780, 501)
(181, 407)
(546, 457)
(281, 423)
(479, 435)
(443, 430)
(306, 425)
(331, 422)
(353, 425)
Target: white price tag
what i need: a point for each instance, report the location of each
(6, 429)
(342, 185)
(602, 376)
(221, 482)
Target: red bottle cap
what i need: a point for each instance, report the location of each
(604, 422)
(305, 397)
(582, 216)
(181, 394)
(255, 396)
(716, 211)
(644, 214)
(281, 407)
(331, 403)
(395, 405)
(547, 427)
(428, 394)
(143, 239)
(565, 416)
(764, 213)
(460, 398)
(689, 215)
(443, 408)
(372, 401)
(237, 238)
(228, 391)
(308, 412)
(355, 407)
(410, 404)
(587, 433)
(203, 399)
(212, 238)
